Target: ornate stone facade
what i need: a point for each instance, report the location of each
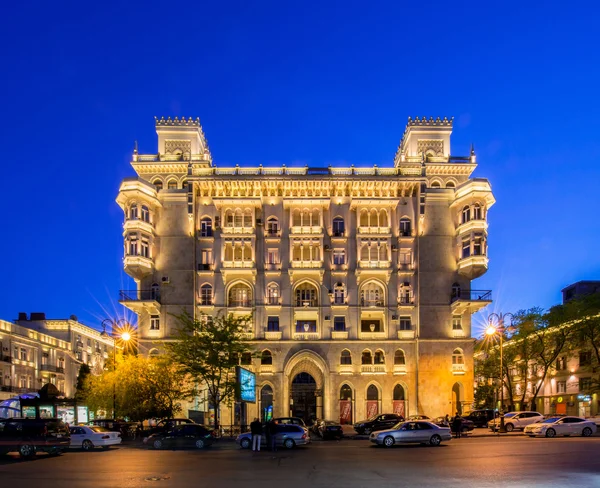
(358, 279)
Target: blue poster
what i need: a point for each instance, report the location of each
(247, 385)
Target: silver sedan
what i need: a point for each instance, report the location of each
(554, 426)
(420, 432)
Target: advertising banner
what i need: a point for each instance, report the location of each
(345, 412)
(399, 407)
(372, 408)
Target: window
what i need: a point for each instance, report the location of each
(273, 256)
(450, 184)
(466, 248)
(23, 354)
(458, 357)
(339, 256)
(246, 359)
(145, 214)
(346, 357)
(338, 227)
(405, 227)
(478, 245)
(158, 185)
(206, 259)
(366, 357)
(405, 257)
(379, 357)
(405, 323)
(339, 324)
(240, 296)
(172, 185)
(145, 247)
(561, 363)
(436, 184)
(266, 358)
(272, 226)
(561, 387)
(585, 358)
(306, 326)
(133, 245)
(399, 358)
(272, 324)
(306, 296)
(456, 322)
(466, 214)
(273, 294)
(154, 322)
(405, 295)
(585, 384)
(371, 295)
(339, 294)
(206, 227)
(476, 212)
(133, 212)
(371, 325)
(206, 295)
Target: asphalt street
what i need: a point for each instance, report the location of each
(472, 462)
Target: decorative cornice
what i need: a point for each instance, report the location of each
(176, 122)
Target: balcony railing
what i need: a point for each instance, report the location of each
(307, 264)
(371, 303)
(139, 295)
(306, 336)
(339, 334)
(247, 336)
(345, 369)
(16, 389)
(406, 334)
(365, 229)
(273, 301)
(205, 302)
(239, 264)
(267, 369)
(406, 300)
(457, 333)
(272, 233)
(472, 295)
(228, 229)
(52, 369)
(459, 368)
(374, 264)
(372, 368)
(372, 335)
(240, 303)
(306, 229)
(399, 368)
(273, 335)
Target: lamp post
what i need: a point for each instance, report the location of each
(499, 329)
(120, 331)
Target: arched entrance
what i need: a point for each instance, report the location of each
(345, 405)
(457, 398)
(399, 399)
(311, 363)
(304, 398)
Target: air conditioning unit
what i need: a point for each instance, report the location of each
(327, 248)
(394, 248)
(327, 317)
(165, 280)
(394, 317)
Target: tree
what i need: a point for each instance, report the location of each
(84, 372)
(208, 351)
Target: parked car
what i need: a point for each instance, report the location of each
(419, 417)
(166, 425)
(377, 422)
(329, 429)
(420, 431)
(441, 422)
(466, 425)
(28, 436)
(553, 426)
(288, 436)
(481, 417)
(126, 429)
(289, 420)
(87, 438)
(182, 436)
(314, 428)
(516, 420)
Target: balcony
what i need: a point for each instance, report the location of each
(459, 369)
(52, 369)
(138, 266)
(406, 235)
(272, 266)
(474, 225)
(364, 229)
(406, 301)
(131, 225)
(374, 264)
(399, 368)
(406, 268)
(240, 304)
(228, 229)
(372, 336)
(273, 335)
(306, 229)
(473, 266)
(205, 301)
(141, 300)
(470, 300)
(371, 303)
(273, 302)
(339, 334)
(238, 264)
(272, 233)
(345, 369)
(298, 264)
(266, 369)
(305, 336)
(406, 334)
(372, 369)
(458, 333)
(307, 303)
(206, 267)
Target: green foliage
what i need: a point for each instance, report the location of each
(84, 372)
(208, 351)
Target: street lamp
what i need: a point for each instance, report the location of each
(491, 331)
(119, 332)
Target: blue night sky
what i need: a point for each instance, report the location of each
(293, 83)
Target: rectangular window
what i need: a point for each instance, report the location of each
(456, 322)
(405, 229)
(339, 256)
(23, 354)
(206, 228)
(405, 323)
(405, 257)
(478, 245)
(561, 387)
(585, 358)
(145, 214)
(339, 324)
(585, 385)
(466, 248)
(273, 256)
(145, 248)
(133, 247)
(561, 363)
(272, 324)
(339, 296)
(154, 322)
(338, 227)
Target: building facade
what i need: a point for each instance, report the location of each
(37, 351)
(358, 279)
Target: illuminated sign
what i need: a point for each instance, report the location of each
(246, 385)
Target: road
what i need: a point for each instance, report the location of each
(475, 462)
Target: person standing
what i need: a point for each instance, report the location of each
(256, 430)
(271, 435)
(457, 425)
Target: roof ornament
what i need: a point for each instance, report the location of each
(473, 157)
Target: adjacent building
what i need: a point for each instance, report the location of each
(358, 279)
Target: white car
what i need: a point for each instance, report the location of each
(516, 420)
(87, 438)
(554, 426)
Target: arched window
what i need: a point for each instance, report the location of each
(339, 294)
(172, 185)
(206, 295)
(266, 358)
(345, 392)
(405, 227)
(450, 184)
(155, 291)
(383, 218)
(399, 393)
(240, 295)
(338, 227)
(247, 218)
(371, 295)
(133, 212)
(367, 357)
(476, 212)
(466, 214)
(306, 296)
(206, 227)
(266, 402)
(372, 393)
(346, 357)
(399, 358)
(364, 218)
(436, 184)
(458, 357)
(158, 184)
(145, 213)
(272, 226)
(379, 357)
(273, 294)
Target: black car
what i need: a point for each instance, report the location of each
(166, 425)
(466, 425)
(28, 436)
(378, 422)
(182, 436)
(481, 417)
(329, 429)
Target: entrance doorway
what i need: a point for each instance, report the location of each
(345, 405)
(304, 399)
(457, 399)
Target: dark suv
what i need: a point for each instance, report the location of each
(28, 436)
(481, 417)
(378, 422)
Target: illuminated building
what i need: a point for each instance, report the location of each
(359, 279)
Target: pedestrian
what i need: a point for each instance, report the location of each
(256, 430)
(457, 425)
(448, 420)
(272, 435)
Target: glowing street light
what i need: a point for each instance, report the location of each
(491, 331)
